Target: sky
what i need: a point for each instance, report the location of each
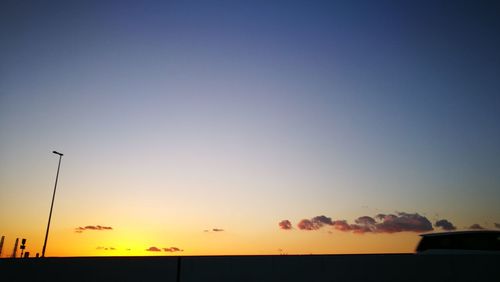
(247, 127)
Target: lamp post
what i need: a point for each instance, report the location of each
(52, 204)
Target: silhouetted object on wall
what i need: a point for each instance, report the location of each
(14, 252)
(27, 255)
(23, 246)
(52, 204)
(1, 245)
(37, 255)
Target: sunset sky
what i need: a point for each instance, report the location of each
(247, 127)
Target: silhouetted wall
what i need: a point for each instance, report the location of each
(407, 267)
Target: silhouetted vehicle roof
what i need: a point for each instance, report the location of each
(466, 242)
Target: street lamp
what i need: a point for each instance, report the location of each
(52, 205)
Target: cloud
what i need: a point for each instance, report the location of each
(322, 220)
(381, 223)
(172, 249)
(445, 224)
(106, 248)
(365, 220)
(306, 224)
(285, 224)
(476, 227)
(342, 225)
(169, 250)
(213, 230)
(497, 225)
(93, 227)
(404, 222)
(153, 249)
(314, 223)
(390, 223)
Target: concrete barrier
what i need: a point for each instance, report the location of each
(391, 267)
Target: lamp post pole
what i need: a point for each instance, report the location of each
(52, 204)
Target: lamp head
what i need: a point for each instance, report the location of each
(57, 153)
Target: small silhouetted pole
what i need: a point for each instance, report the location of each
(14, 252)
(52, 205)
(1, 245)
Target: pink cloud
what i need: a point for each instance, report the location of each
(285, 225)
(342, 225)
(314, 223)
(306, 224)
(381, 223)
(322, 220)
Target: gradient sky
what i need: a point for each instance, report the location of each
(178, 118)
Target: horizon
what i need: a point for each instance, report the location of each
(247, 128)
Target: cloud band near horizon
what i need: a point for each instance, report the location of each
(93, 227)
(381, 223)
(168, 250)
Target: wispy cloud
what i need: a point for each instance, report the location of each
(93, 227)
(285, 224)
(381, 223)
(106, 248)
(214, 230)
(445, 224)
